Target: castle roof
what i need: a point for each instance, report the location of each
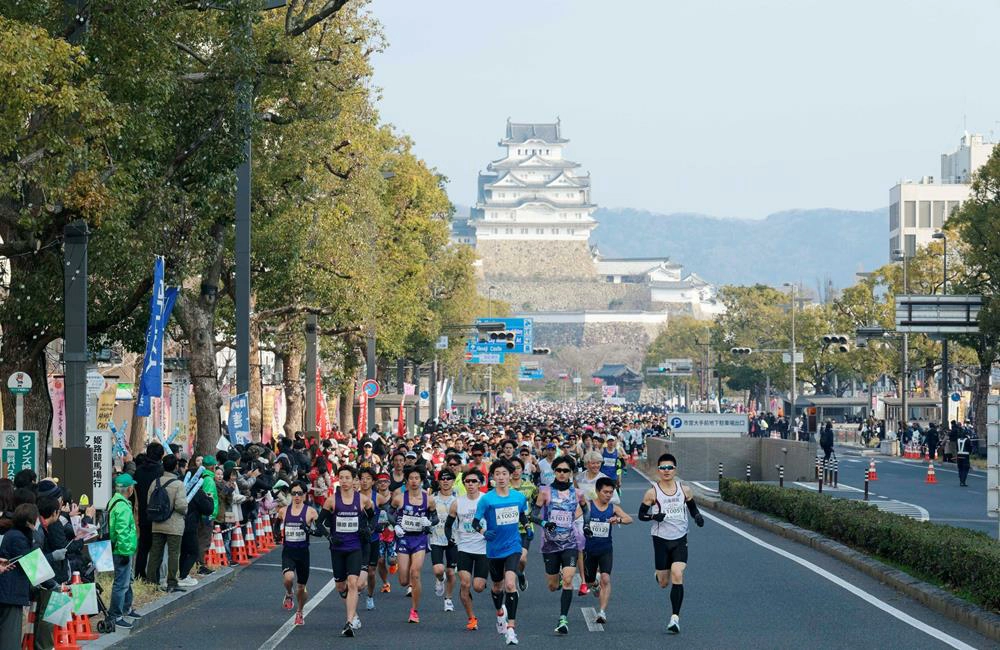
(508, 179)
(519, 132)
(532, 161)
(632, 265)
(518, 203)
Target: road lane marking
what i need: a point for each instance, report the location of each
(289, 625)
(937, 468)
(590, 615)
(843, 584)
(314, 568)
(703, 487)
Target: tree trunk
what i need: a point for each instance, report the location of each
(347, 407)
(294, 390)
(18, 357)
(137, 435)
(981, 394)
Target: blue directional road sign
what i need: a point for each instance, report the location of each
(523, 329)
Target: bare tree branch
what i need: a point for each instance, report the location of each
(296, 26)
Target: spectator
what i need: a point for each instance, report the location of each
(206, 524)
(931, 439)
(168, 533)
(826, 440)
(124, 543)
(145, 473)
(14, 585)
(199, 506)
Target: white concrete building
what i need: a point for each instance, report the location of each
(533, 193)
(919, 208)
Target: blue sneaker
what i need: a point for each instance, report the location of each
(123, 622)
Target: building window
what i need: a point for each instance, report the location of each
(571, 231)
(910, 214)
(555, 231)
(579, 215)
(503, 195)
(508, 231)
(546, 152)
(562, 215)
(953, 207)
(925, 214)
(911, 245)
(937, 218)
(539, 231)
(893, 216)
(494, 231)
(893, 245)
(524, 231)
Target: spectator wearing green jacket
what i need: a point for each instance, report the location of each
(206, 524)
(124, 542)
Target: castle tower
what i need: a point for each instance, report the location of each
(534, 214)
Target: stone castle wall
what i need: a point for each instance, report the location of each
(585, 348)
(512, 259)
(569, 295)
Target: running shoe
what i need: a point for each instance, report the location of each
(583, 589)
(393, 568)
(448, 605)
(439, 588)
(602, 618)
(343, 594)
(473, 623)
(414, 616)
(369, 603)
(299, 618)
(522, 582)
(386, 588)
(563, 627)
(511, 636)
(347, 631)
(356, 622)
(409, 591)
(287, 603)
(502, 620)
(674, 627)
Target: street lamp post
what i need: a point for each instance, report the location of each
(900, 256)
(794, 378)
(944, 342)
(489, 369)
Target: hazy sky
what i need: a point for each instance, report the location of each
(731, 108)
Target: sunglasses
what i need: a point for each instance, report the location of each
(454, 464)
(666, 468)
(297, 494)
(561, 470)
(477, 455)
(470, 480)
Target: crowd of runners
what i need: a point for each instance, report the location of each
(476, 497)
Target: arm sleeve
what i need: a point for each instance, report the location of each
(644, 512)
(432, 515)
(692, 506)
(536, 514)
(449, 524)
(390, 514)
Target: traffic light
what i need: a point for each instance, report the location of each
(740, 351)
(838, 341)
(504, 336)
(541, 350)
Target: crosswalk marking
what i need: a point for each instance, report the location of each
(590, 615)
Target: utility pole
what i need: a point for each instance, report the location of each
(901, 256)
(311, 367)
(794, 377)
(489, 368)
(944, 341)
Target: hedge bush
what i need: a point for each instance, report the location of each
(960, 559)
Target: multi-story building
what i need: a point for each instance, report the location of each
(919, 208)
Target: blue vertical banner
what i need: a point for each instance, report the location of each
(160, 306)
(239, 419)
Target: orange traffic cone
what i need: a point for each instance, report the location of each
(251, 542)
(872, 474)
(81, 622)
(262, 545)
(219, 546)
(28, 633)
(239, 549)
(269, 531)
(931, 478)
(65, 637)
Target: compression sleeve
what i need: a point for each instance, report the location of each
(644, 512)
(536, 514)
(390, 514)
(692, 507)
(449, 524)
(586, 513)
(477, 525)
(523, 519)
(324, 516)
(432, 515)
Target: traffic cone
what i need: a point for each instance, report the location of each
(219, 546)
(931, 478)
(28, 633)
(251, 541)
(65, 637)
(262, 544)
(81, 622)
(239, 549)
(872, 474)
(269, 531)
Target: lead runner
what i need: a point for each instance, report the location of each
(670, 526)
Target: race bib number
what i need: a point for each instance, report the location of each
(562, 518)
(610, 462)
(674, 511)
(506, 515)
(600, 528)
(347, 524)
(467, 527)
(412, 524)
(295, 534)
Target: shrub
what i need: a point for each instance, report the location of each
(958, 558)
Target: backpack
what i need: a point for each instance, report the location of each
(160, 505)
(104, 527)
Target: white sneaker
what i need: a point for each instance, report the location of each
(602, 618)
(187, 582)
(674, 627)
(439, 588)
(502, 622)
(409, 591)
(369, 603)
(511, 636)
(448, 605)
(356, 622)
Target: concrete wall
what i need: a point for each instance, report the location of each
(698, 458)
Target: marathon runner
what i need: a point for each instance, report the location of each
(519, 482)
(413, 515)
(369, 543)
(296, 520)
(347, 514)
(386, 557)
(444, 554)
(498, 514)
(556, 508)
(473, 565)
(597, 561)
(670, 526)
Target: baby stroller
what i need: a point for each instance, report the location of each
(105, 625)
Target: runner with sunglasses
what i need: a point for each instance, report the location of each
(297, 519)
(444, 554)
(473, 566)
(670, 527)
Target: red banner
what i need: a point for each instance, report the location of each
(362, 415)
(401, 423)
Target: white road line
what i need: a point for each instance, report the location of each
(847, 586)
(289, 625)
(314, 568)
(590, 615)
(703, 487)
(841, 487)
(937, 467)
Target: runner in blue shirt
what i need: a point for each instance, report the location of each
(498, 515)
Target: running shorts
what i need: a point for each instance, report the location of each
(593, 565)
(297, 560)
(558, 560)
(369, 553)
(499, 566)
(447, 555)
(668, 551)
(474, 563)
(345, 563)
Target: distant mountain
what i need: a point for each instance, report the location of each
(807, 246)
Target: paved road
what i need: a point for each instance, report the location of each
(745, 588)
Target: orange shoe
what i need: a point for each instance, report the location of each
(386, 588)
(473, 623)
(393, 568)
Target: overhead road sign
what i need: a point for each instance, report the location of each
(522, 329)
(938, 314)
